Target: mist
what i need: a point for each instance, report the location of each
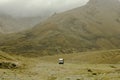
(26, 8)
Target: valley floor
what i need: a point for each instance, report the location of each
(47, 68)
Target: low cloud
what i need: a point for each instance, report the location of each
(38, 7)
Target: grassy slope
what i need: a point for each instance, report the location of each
(93, 57)
(5, 56)
(83, 29)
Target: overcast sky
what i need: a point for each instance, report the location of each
(38, 7)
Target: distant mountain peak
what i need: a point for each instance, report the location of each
(9, 24)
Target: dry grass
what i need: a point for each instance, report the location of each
(75, 68)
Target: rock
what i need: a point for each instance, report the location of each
(89, 70)
(9, 65)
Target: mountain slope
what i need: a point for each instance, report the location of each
(9, 24)
(82, 29)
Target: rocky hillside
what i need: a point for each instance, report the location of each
(95, 26)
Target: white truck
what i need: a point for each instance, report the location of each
(61, 61)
